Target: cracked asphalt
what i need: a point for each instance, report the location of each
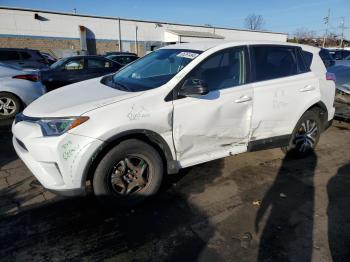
(259, 206)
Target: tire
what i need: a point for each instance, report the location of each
(305, 136)
(123, 179)
(10, 105)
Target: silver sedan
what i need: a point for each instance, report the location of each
(18, 88)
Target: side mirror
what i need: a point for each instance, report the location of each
(194, 87)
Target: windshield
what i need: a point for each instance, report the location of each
(153, 70)
(59, 63)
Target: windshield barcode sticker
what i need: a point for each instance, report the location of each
(188, 55)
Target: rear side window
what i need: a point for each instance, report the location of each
(9, 55)
(25, 55)
(75, 64)
(346, 55)
(125, 59)
(98, 63)
(270, 62)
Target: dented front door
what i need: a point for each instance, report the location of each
(212, 126)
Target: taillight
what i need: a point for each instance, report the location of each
(32, 78)
(331, 76)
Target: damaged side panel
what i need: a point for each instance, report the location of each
(212, 126)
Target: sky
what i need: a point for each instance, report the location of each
(280, 16)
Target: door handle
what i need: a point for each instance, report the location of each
(307, 88)
(243, 99)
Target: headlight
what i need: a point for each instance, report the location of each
(58, 126)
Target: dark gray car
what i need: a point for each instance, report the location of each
(342, 97)
(24, 58)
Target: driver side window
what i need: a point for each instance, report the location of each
(74, 64)
(223, 69)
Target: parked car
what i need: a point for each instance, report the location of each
(342, 97)
(77, 68)
(24, 58)
(341, 56)
(176, 107)
(49, 58)
(123, 59)
(18, 88)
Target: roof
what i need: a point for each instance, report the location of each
(205, 45)
(195, 34)
(16, 49)
(135, 20)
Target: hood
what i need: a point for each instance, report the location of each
(76, 99)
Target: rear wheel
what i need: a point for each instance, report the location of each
(9, 105)
(305, 135)
(128, 174)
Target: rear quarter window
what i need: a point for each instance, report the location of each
(308, 56)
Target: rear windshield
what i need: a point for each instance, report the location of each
(151, 71)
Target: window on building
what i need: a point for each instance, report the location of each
(272, 62)
(222, 70)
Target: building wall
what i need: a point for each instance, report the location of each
(18, 28)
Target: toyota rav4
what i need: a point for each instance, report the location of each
(176, 107)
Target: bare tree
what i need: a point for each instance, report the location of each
(304, 33)
(254, 22)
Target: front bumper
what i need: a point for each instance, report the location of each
(59, 163)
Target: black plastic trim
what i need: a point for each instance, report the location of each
(269, 143)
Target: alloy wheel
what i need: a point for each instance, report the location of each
(306, 136)
(7, 106)
(130, 175)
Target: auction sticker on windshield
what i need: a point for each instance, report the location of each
(188, 55)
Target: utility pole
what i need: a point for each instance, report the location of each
(326, 21)
(343, 27)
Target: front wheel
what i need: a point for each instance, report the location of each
(128, 174)
(305, 135)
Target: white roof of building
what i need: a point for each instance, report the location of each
(195, 34)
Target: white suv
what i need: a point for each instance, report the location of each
(176, 107)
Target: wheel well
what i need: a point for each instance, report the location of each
(147, 137)
(321, 108)
(19, 99)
